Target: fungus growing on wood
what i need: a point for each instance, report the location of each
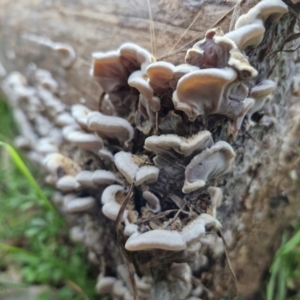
(80, 205)
(210, 163)
(110, 126)
(67, 183)
(133, 169)
(86, 141)
(156, 239)
(153, 202)
(186, 146)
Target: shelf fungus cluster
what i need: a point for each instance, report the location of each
(155, 152)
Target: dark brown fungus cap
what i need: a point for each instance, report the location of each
(210, 163)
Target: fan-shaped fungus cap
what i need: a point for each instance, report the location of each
(114, 127)
(80, 205)
(134, 57)
(200, 92)
(245, 36)
(139, 81)
(103, 177)
(260, 92)
(86, 141)
(156, 239)
(64, 119)
(193, 231)
(67, 183)
(210, 163)
(108, 70)
(109, 200)
(266, 9)
(153, 202)
(85, 178)
(80, 113)
(132, 168)
(186, 146)
(77, 234)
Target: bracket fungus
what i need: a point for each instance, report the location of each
(164, 143)
(210, 163)
(133, 169)
(110, 126)
(152, 135)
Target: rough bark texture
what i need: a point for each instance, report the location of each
(260, 195)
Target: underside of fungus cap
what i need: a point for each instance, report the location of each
(111, 126)
(153, 201)
(260, 92)
(200, 92)
(134, 57)
(164, 143)
(245, 36)
(156, 239)
(210, 163)
(266, 9)
(109, 71)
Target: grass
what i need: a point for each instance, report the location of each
(33, 236)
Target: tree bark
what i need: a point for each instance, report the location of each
(260, 195)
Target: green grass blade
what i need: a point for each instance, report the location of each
(290, 245)
(21, 166)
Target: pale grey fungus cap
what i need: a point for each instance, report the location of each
(126, 165)
(45, 146)
(245, 36)
(132, 168)
(103, 177)
(64, 119)
(134, 57)
(105, 284)
(195, 230)
(113, 127)
(201, 92)
(85, 178)
(86, 141)
(68, 129)
(67, 183)
(138, 80)
(110, 206)
(77, 234)
(156, 239)
(153, 202)
(148, 174)
(266, 9)
(55, 161)
(108, 70)
(210, 163)
(186, 146)
(81, 205)
(260, 92)
(69, 53)
(80, 113)
(67, 199)
(130, 229)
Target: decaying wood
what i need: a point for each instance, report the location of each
(260, 201)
